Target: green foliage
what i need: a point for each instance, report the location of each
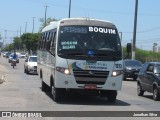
(17, 42)
(147, 56)
(42, 21)
(144, 56)
(9, 47)
(30, 40)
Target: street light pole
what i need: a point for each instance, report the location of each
(5, 38)
(33, 25)
(69, 9)
(135, 29)
(20, 32)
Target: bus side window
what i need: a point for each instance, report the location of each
(44, 41)
(52, 45)
(47, 41)
(41, 42)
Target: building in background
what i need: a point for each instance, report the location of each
(155, 47)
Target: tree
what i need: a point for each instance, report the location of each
(17, 43)
(30, 40)
(42, 21)
(9, 47)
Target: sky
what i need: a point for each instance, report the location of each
(14, 14)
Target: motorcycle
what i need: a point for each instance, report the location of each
(13, 62)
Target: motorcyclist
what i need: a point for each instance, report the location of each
(14, 59)
(14, 56)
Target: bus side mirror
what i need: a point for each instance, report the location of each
(129, 47)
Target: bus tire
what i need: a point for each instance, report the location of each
(56, 93)
(112, 94)
(43, 86)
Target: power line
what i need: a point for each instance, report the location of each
(8, 30)
(145, 31)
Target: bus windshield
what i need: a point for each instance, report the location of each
(88, 39)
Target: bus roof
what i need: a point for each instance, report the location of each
(78, 21)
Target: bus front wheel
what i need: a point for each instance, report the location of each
(56, 92)
(112, 94)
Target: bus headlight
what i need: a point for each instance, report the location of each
(116, 73)
(63, 70)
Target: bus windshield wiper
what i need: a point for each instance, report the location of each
(73, 53)
(107, 55)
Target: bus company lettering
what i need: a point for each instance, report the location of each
(95, 66)
(102, 30)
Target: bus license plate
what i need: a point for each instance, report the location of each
(90, 86)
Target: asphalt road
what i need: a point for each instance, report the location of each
(22, 92)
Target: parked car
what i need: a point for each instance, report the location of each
(30, 65)
(131, 69)
(149, 80)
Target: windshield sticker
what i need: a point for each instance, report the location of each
(102, 30)
(88, 66)
(69, 44)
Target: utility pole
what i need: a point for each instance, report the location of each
(26, 28)
(20, 31)
(45, 14)
(33, 25)
(135, 29)
(4, 41)
(69, 15)
(17, 33)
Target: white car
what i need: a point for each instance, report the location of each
(23, 55)
(30, 65)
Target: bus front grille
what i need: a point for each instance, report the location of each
(90, 76)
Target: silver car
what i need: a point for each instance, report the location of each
(30, 65)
